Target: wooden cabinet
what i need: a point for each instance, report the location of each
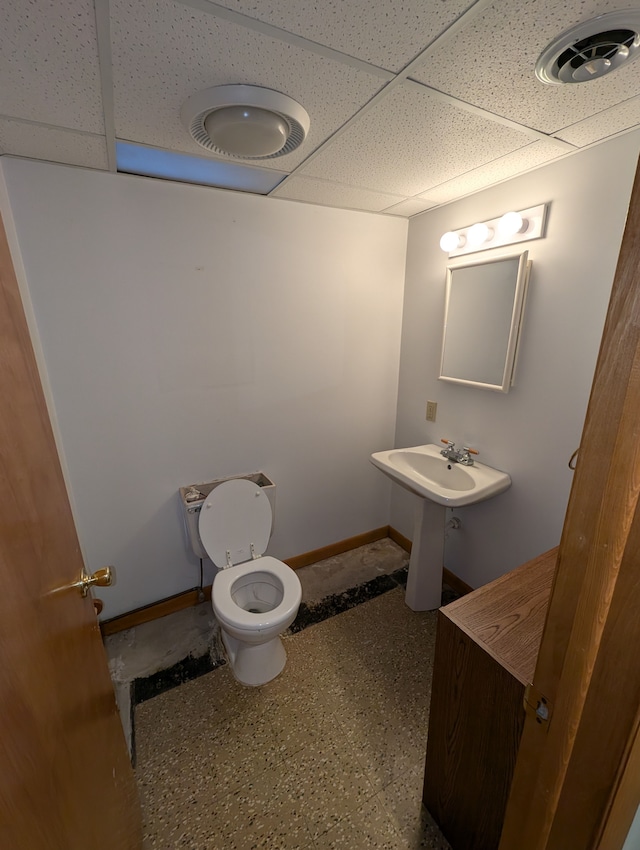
(486, 649)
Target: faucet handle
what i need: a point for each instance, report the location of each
(464, 457)
(450, 452)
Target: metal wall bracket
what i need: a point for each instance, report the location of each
(537, 705)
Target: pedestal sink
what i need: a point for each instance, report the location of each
(441, 483)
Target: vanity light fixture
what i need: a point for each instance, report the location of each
(509, 229)
(450, 241)
(478, 234)
(512, 223)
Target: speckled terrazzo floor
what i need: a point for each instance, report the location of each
(155, 656)
(329, 755)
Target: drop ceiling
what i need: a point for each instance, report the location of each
(412, 104)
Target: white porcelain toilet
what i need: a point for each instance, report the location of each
(254, 597)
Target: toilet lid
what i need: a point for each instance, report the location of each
(234, 515)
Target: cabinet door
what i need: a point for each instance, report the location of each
(475, 725)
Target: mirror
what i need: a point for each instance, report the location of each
(482, 319)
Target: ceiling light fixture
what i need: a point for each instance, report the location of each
(508, 229)
(245, 122)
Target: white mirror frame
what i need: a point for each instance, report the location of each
(489, 317)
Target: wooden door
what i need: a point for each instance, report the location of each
(65, 778)
(576, 784)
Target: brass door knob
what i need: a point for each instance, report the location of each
(101, 578)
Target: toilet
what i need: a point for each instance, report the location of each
(255, 597)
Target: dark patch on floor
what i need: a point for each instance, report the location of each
(189, 668)
(448, 595)
(308, 615)
(315, 612)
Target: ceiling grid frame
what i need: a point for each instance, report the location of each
(369, 79)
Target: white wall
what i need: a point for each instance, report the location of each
(633, 838)
(190, 334)
(531, 431)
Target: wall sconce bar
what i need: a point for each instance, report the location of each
(509, 229)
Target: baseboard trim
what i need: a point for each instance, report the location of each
(153, 611)
(455, 583)
(338, 548)
(189, 598)
(400, 539)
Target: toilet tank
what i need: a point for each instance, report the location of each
(192, 498)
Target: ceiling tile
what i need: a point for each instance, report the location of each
(385, 33)
(604, 124)
(410, 207)
(475, 116)
(491, 64)
(409, 140)
(507, 166)
(164, 52)
(330, 194)
(49, 63)
(21, 138)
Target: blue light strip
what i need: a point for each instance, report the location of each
(152, 162)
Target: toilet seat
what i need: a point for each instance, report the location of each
(235, 522)
(233, 615)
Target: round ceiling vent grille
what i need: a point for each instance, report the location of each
(245, 122)
(591, 50)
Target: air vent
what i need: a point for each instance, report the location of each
(591, 50)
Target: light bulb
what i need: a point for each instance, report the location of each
(450, 241)
(479, 233)
(510, 224)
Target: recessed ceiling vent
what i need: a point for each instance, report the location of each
(591, 50)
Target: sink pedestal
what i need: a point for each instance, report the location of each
(424, 582)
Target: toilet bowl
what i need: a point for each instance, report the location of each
(255, 597)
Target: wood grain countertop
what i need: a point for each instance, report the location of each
(507, 616)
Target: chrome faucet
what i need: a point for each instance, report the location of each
(462, 455)
(450, 452)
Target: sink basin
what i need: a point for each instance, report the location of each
(424, 471)
(442, 484)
